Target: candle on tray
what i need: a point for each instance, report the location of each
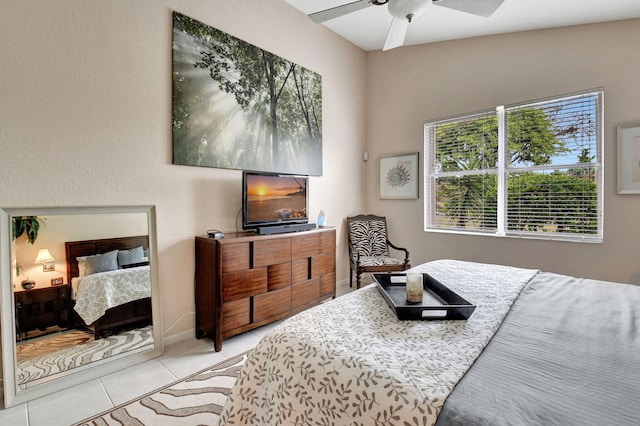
(414, 288)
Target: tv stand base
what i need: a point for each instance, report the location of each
(279, 229)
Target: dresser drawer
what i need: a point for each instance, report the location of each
(304, 293)
(236, 285)
(305, 246)
(235, 257)
(236, 314)
(279, 276)
(300, 270)
(272, 304)
(322, 264)
(271, 252)
(328, 285)
(328, 242)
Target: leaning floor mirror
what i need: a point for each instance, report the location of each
(80, 296)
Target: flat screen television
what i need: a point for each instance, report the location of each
(271, 199)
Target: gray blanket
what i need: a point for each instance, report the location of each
(568, 353)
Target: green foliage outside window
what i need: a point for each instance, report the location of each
(551, 172)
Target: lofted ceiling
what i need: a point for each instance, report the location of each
(368, 28)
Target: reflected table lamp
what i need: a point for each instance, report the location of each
(47, 261)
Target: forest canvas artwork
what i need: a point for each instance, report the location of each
(236, 106)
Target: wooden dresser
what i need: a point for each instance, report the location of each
(244, 280)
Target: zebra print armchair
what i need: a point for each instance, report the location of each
(369, 247)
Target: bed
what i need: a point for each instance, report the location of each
(540, 348)
(110, 297)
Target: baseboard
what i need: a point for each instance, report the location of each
(343, 282)
(176, 338)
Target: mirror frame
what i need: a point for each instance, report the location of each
(13, 392)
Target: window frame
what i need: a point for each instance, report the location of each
(504, 169)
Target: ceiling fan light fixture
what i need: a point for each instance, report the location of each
(402, 9)
(405, 11)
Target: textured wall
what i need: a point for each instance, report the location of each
(408, 86)
(86, 118)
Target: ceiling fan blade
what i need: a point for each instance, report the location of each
(477, 7)
(336, 12)
(396, 34)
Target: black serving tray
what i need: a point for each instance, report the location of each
(438, 301)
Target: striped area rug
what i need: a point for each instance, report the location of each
(44, 346)
(195, 400)
(51, 362)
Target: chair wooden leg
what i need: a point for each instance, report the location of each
(357, 280)
(350, 277)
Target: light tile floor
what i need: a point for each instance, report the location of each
(178, 361)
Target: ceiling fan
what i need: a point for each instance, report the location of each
(405, 11)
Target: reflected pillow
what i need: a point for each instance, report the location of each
(131, 256)
(82, 266)
(102, 262)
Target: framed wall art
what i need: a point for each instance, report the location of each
(237, 106)
(398, 177)
(629, 158)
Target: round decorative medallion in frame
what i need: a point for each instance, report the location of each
(398, 176)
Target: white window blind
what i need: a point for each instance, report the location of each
(531, 170)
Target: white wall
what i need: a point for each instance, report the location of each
(408, 86)
(86, 118)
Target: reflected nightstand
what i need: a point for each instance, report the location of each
(40, 308)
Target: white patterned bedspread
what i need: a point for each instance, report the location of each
(351, 361)
(98, 292)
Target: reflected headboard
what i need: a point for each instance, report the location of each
(75, 249)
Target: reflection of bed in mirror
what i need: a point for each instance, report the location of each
(58, 353)
(111, 292)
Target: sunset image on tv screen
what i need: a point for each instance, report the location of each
(276, 198)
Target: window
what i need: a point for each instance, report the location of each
(528, 170)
